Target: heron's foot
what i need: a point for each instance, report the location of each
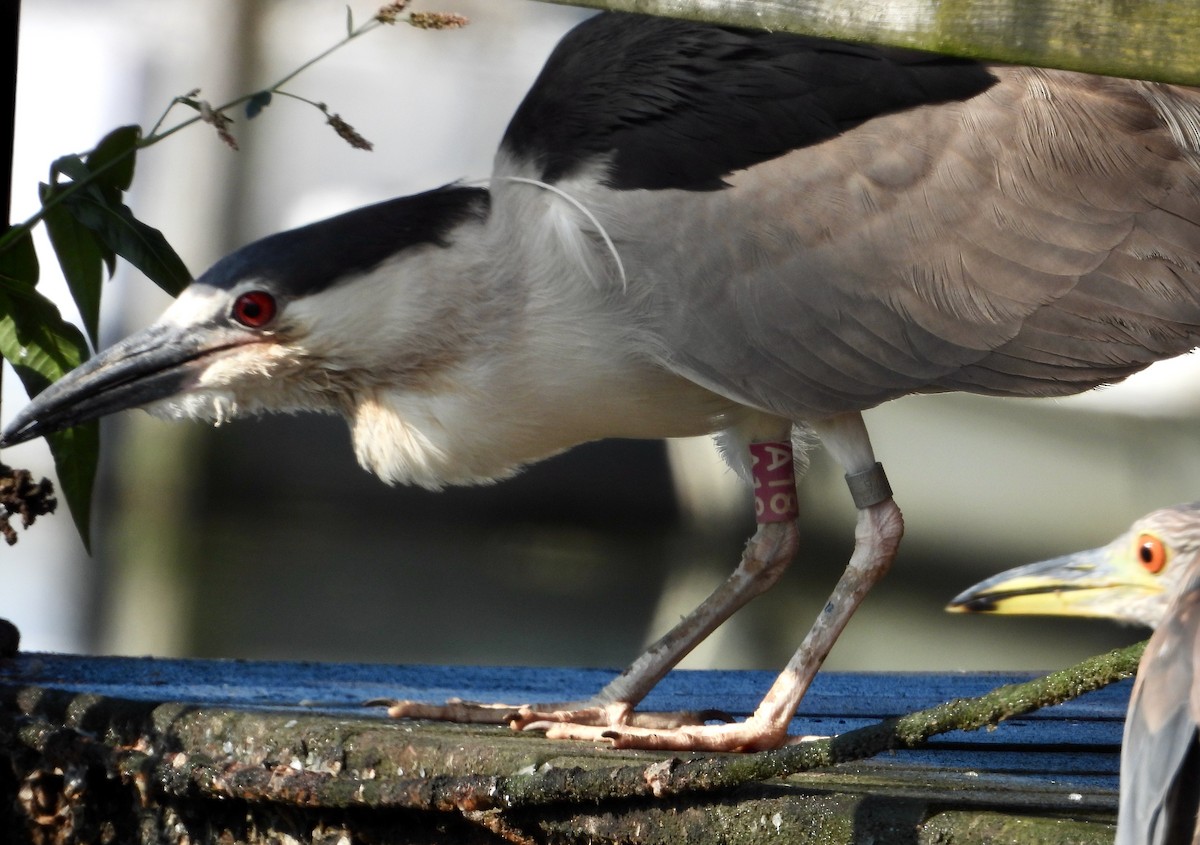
(453, 710)
(748, 735)
(616, 716)
(610, 716)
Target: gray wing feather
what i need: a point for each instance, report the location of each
(1040, 238)
(1160, 754)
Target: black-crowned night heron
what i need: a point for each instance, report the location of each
(1150, 575)
(1132, 579)
(1160, 752)
(694, 229)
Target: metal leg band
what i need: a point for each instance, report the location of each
(869, 487)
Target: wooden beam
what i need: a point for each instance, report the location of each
(1152, 39)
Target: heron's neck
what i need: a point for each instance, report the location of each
(550, 357)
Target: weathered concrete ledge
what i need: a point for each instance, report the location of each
(87, 767)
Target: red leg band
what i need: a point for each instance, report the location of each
(774, 482)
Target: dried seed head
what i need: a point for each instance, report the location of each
(225, 135)
(437, 20)
(389, 13)
(21, 495)
(220, 122)
(348, 133)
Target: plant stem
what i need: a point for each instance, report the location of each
(154, 137)
(9, 237)
(362, 30)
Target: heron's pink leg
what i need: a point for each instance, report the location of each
(608, 716)
(876, 538)
(764, 560)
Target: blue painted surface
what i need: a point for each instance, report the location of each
(1076, 744)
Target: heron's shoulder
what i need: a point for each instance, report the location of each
(676, 104)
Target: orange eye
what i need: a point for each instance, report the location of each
(254, 309)
(1151, 553)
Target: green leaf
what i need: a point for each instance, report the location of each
(349, 22)
(42, 347)
(257, 103)
(141, 245)
(74, 168)
(19, 261)
(110, 258)
(71, 166)
(76, 454)
(36, 340)
(80, 255)
(113, 159)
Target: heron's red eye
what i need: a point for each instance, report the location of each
(1152, 554)
(254, 309)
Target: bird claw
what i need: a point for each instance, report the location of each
(452, 710)
(595, 718)
(748, 735)
(614, 717)
(616, 724)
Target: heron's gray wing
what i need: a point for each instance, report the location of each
(1040, 238)
(1160, 754)
(812, 228)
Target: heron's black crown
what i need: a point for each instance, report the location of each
(309, 259)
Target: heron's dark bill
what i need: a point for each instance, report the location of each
(154, 364)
